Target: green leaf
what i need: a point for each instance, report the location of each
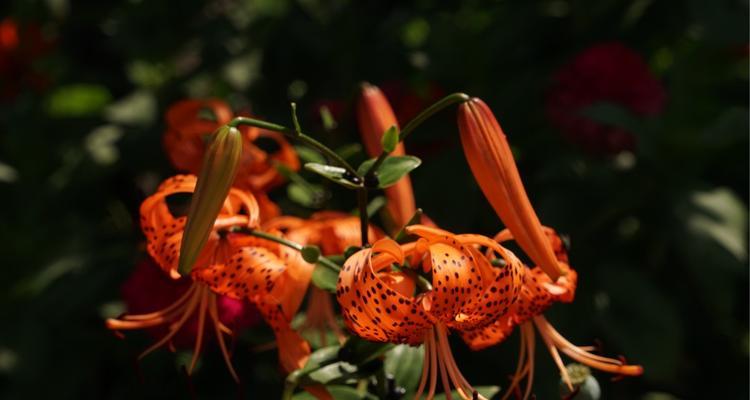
(320, 357)
(389, 141)
(348, 151)
(337, 371)
(334, 174)
(78, 100)
(720, 216)
(392, 169)
(324, 278)
(307, 155)
(339, 393)
(486, 391)
(305, 196)
(360, 351)
(404, 362)
(373, 206)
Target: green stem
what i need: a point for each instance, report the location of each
(364, 222)
(294, 134)
(446, 101)
(293, 245)
(428, 112)
(288, 390)
(382, 383)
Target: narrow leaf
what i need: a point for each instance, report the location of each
(359, 351)
(324, 278)
(392, 169)
(404, 363)
(389, 141)
(334, 174)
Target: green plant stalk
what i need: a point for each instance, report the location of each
(293, 245)
(294, 134)
(382, 383)
(428, 112)
(289, 387)
(364, 219)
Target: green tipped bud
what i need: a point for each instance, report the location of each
(310, 253)
(214, 181)
(329, 122)
(585, 386)
(390, 139)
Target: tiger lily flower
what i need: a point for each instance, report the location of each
(274, 278)
(466, 293)
(185, 144)
(164, 233)
(491, 161)
(148, 288)
(375, 116)
(333, 232)
(537, 294)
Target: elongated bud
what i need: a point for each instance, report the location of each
(375, 118)
(494, 168)
(214, 181)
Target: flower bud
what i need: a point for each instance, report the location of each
(492, 164)
(214, 181)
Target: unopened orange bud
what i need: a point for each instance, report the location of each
(491, 161)
(375, 116)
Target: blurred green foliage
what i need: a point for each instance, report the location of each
(659, 236)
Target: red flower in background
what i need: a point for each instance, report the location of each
(148, 289)
(20, 47)
(607, 72)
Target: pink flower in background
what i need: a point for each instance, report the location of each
(604, 73)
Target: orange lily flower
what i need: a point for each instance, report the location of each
(538, 293)
(333, 232)
(185, 144)
(164, 232)
(274, 278)
(491, 161)
(467, 293)
(375, 116)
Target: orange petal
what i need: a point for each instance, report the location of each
(250, 273)
(372, 307)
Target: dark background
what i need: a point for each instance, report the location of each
(659, 232)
